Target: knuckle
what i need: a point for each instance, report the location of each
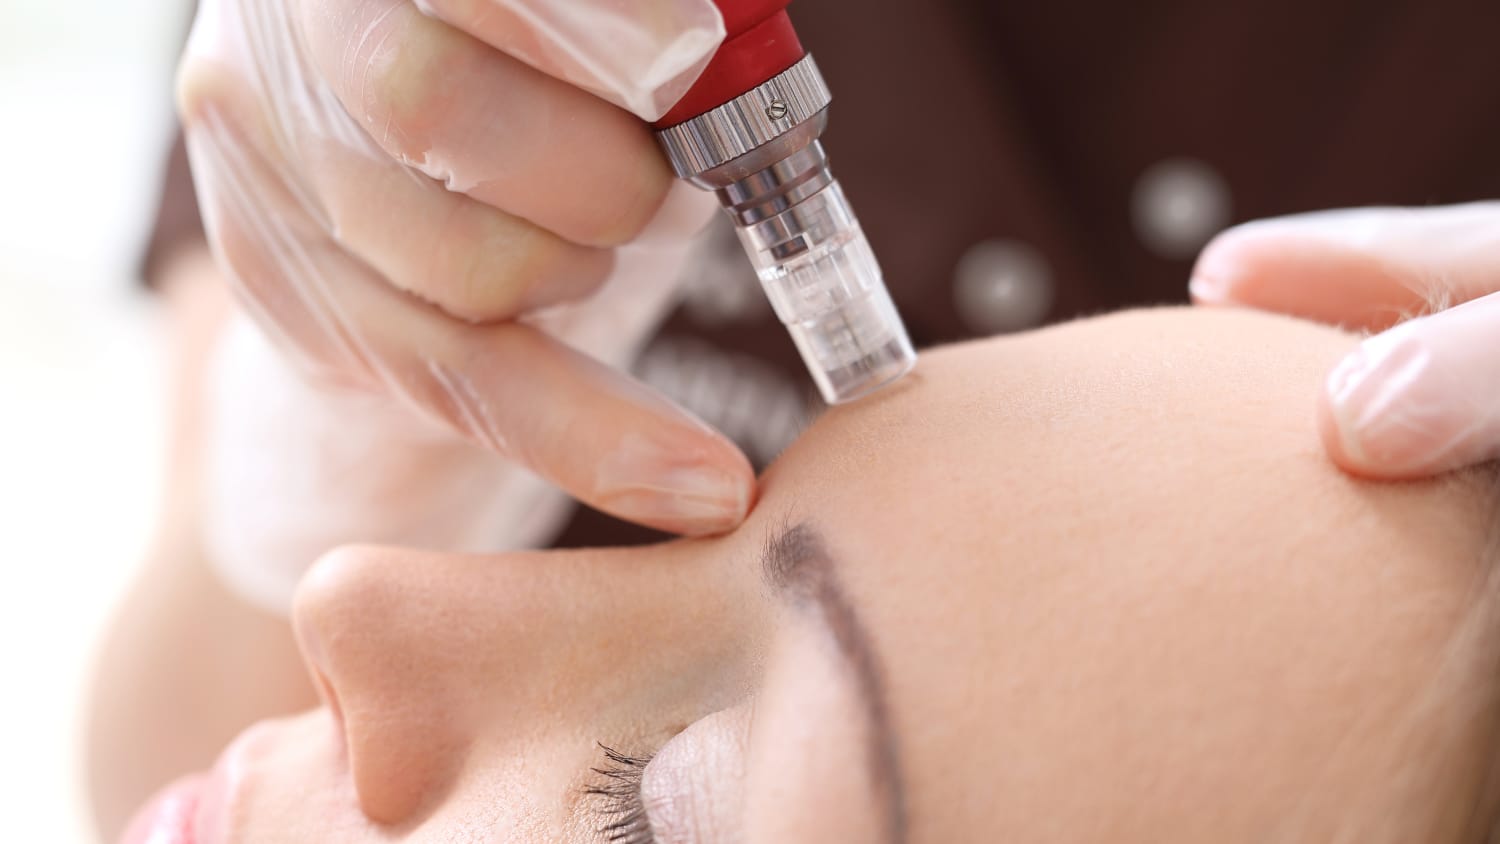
(404, 81)
(479, 293)
(480, 265)
(201, 87)
(510, 267)
(554, 270)
(537, 257)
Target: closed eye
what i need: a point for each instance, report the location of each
(619, 811)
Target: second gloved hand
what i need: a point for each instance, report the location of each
(1421, 397)
(395, 192)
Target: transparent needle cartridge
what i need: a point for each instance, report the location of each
(760, 153)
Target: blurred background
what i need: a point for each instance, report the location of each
(85, 114)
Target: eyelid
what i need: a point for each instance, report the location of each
(693, 790)
(810, 774)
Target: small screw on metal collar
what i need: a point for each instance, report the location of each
(776, 110)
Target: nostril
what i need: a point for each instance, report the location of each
(367, 624)
(326, 617)
(316, 657)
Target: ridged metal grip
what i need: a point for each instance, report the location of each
(748, 121)
(761, 155)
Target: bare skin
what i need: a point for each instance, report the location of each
(1097, 582)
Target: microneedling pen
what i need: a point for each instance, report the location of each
(748, 130)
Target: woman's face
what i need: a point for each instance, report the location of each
(1090, 583)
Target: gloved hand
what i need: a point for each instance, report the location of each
(290, 469)
(1421, 397)
(397, 190)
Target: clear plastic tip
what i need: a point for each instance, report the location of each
(827, 288)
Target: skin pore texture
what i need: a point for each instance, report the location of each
(1096, 582)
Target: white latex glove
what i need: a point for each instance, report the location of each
(294, 469)
(394, 190)
(1422, 397)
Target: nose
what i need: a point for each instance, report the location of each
(424, 657)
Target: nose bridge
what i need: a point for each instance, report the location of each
(425, 655)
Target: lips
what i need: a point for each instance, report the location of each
(191, 810)
(170, 816)
(216, 808)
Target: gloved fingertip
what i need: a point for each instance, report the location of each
(1225, 265)
(674, 490)
(1208, 290)
(1376, 416)
(1342, 440)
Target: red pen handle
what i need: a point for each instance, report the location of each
(759, 43)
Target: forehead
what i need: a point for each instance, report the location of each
(1102, 566)
(1055, 418)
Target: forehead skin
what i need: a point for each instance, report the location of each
(1120, 594)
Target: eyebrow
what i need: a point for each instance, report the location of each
(795, 563)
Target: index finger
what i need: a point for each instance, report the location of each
(1366, 268)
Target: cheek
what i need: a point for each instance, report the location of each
(807, 761)
(534, 792)
(283, 780)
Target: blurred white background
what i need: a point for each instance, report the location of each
(85, 119)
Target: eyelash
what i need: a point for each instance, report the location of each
(620, 811)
